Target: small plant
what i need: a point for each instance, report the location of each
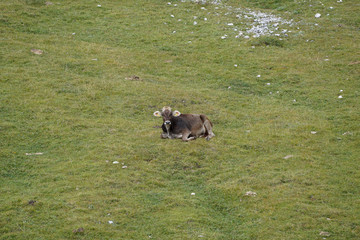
(35, 2)
(267, 41)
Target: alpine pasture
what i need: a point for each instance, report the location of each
(80, 151)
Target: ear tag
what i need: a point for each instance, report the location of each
(176, 113)
(157, 114)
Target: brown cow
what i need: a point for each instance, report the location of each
(185, 126)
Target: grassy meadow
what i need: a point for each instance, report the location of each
(80, 151)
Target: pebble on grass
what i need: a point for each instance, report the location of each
(288, 156)
(250, 193)
(325, 234)
(30, 154)
(37, 51)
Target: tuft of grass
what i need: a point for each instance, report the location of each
(267, 41)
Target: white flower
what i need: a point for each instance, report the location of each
(317, 15)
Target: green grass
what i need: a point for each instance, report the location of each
(79, 104)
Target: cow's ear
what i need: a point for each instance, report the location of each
(176, 113)
(157, 114)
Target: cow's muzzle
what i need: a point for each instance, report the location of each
(167, 122)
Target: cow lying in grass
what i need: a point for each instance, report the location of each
(185, 126)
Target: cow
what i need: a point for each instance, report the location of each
(185, 126)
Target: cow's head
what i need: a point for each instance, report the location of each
(167, 114)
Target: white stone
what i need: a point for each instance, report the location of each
(250, 193)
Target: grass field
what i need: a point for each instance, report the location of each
(80, 152)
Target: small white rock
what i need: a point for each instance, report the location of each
(115, 162)
(230, 24)
(193, 194)
(341, 90)
(250, 193)
(99, 5)
(124, 167)
(268, 84)
(195, 22)
(340, 96)
(172, 16)
(229, 87)
(205, 19)
(235, 65)
(317, 15)
(313, 132)
(110, 222)
(258, 76)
